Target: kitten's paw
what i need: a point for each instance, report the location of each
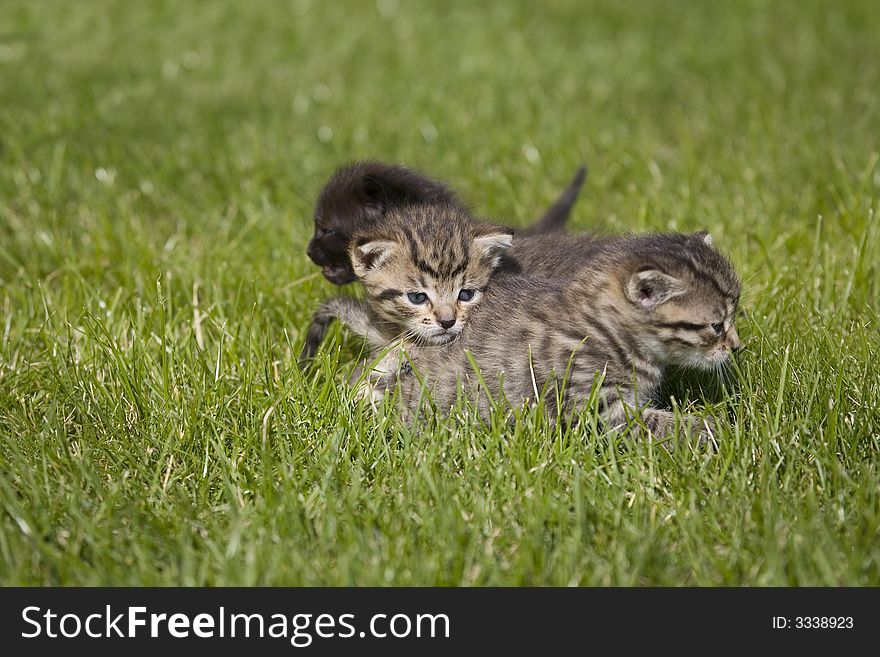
(369, 392)
(699, 432)
(660, 427)
(695, 430)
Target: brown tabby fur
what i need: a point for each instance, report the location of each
(437, 252)
(636, 305)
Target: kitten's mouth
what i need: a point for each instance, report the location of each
(699, 359)
(438, 339)
(337, 274)
(710, 361)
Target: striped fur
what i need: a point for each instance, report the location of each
(424, 269)
(636, 306)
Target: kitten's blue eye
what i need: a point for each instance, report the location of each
(718, 327)
(417, 297)
(466, 295)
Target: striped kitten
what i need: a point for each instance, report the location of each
(423, 269)
(638, 305)
(554, 256)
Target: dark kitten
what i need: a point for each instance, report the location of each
(359, 195)
(356, 198)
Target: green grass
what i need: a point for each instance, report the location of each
(150, 148)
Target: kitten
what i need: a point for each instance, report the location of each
(555, 257)
(359, 195)
(424, 269)
(638, 305)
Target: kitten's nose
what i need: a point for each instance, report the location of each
(733, 340)
(445, 316)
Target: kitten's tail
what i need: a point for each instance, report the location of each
(557, 214)
(354, 313)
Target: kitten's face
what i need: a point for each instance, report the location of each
(425, 285)
(698, 330)
(335, 218)
(689, 307)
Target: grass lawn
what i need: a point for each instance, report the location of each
(158, 166)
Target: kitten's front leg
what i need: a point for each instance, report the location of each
(353, 313)
(698, 431)
(381, 377)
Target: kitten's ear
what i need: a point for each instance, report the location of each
(370, 255)
(492, 246)
(704, 237)
(374, 194)
(650, 288)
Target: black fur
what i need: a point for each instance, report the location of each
(359, 195)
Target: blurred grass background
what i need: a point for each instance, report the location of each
(150, 148)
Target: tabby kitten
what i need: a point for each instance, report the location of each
(423, 269)
(638, 305)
